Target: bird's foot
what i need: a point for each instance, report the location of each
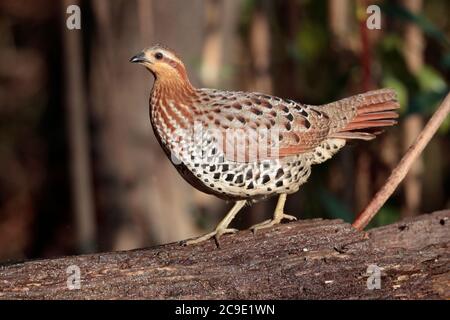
(271, 222)
(214, 234)
(221, 228)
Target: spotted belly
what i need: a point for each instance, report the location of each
(204, 166)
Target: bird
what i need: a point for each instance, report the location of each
(248, 146)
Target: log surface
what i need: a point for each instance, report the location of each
(308, 259)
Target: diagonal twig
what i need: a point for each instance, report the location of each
(403, 167)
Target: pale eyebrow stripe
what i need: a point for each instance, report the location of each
(171, 56)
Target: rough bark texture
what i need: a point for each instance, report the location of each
(318, 259)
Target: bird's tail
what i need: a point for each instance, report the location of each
(361, 116)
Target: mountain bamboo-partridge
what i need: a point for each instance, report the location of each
(244, 146)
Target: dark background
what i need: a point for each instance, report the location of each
(81, 170)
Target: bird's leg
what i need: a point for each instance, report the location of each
(278, 215)
(221, 227)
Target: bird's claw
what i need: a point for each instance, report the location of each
(216, 234)
(271, 222)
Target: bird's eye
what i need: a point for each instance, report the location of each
(158, 55)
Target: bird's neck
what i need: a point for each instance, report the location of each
(172, 104)
(177, 88)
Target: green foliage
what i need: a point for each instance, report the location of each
(334, 208)
(390, 81)
(418, 93)
(311, 41)
(397, 12)
(432, 90)
(387, 215)
(430, 80)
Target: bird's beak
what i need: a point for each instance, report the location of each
(139, 58)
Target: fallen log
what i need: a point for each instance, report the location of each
(307, 259)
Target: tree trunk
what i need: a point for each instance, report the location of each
(413, 124)
(79, 140)
(309, 259)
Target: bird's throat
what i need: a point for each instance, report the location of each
(172, 105)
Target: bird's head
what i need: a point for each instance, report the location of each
(162, 62)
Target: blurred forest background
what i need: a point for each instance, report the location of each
(81, 170)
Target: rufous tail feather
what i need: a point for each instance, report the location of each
(356, 117)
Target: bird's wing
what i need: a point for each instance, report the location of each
(253, 126)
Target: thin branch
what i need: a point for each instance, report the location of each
(403, 167)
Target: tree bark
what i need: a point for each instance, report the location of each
(309, 259)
